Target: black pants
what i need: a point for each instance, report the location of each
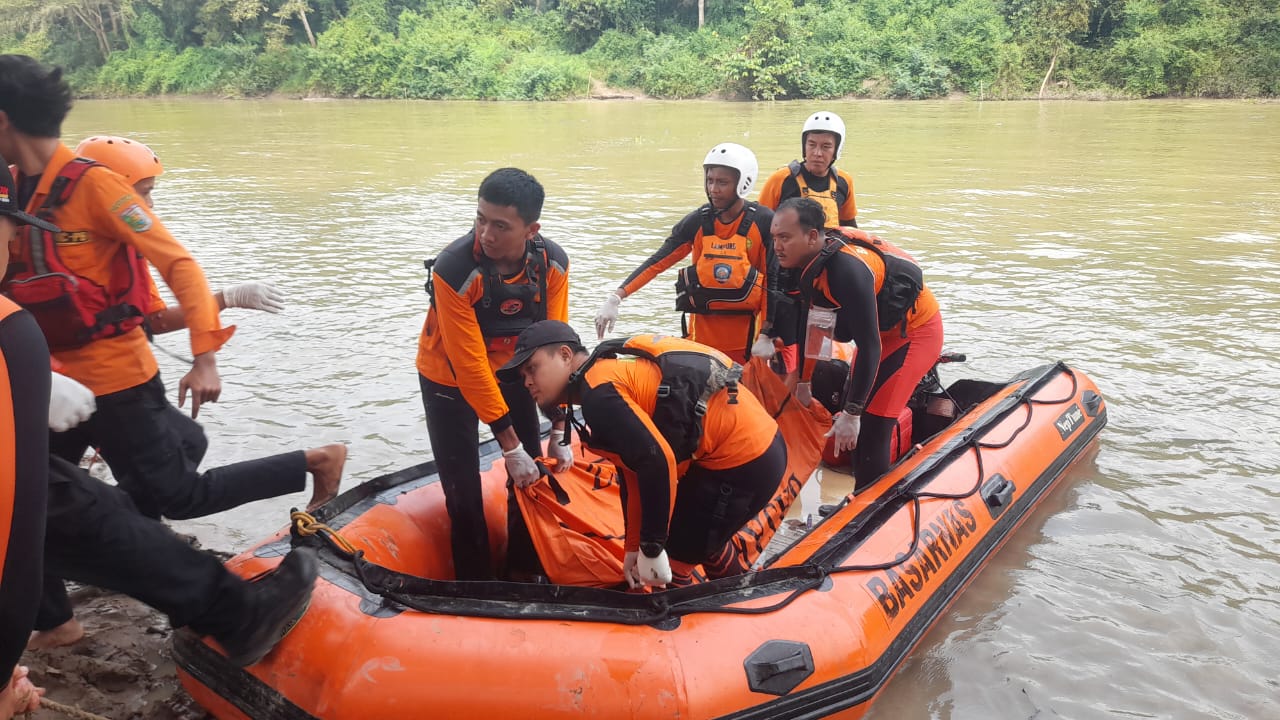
(871, 456)
(24, 468)
(453, 428)
(96, 536)
(712, 505)
(154, 452)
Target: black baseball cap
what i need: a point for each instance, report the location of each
(9, 201)
(537, 335)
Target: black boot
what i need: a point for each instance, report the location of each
(276, 602)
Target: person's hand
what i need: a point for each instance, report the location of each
(253, 295)
(19, 695)
(845, 430)
(630, 571)
(655, 571)
(608, 315)
(804, 394)
(763, 347)
(562, 454)
(202, 381)
(70, 403)
(520, 467)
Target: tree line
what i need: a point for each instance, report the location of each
(750, 49)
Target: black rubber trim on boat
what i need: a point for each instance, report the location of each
(246, 692)
(499, 599)
(858, 688)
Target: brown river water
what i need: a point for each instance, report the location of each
(1136, 241)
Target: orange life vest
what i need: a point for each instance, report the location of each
(721, 280)
(691, 374)
(70, 309)
(830, 199)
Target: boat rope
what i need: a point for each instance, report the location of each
(69, 710)
(307, 525)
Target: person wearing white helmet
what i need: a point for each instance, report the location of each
(727, 288)
(815, 175)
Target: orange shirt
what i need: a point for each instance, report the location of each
(101, 213)
(452, 349)
(622, 394)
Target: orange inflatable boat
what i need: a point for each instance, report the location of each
(816, 632)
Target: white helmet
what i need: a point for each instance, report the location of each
(733, 155)
(824, 122)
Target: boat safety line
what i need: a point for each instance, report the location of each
(307, 525)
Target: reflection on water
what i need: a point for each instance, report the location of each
(1136, 241)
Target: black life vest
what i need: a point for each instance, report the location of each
(722, 280)
(900, 284)
(504, 309)
(71, 309)
(690, 376)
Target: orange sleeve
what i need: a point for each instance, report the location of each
(157, 303)
(125, 217)
(849, 210)
(771, 191)
(558, 294)
(675, 248)
(467, 351)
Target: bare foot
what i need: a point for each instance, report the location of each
(68, 633)
(18, 695)
(325, 465)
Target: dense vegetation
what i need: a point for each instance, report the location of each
(548, 49)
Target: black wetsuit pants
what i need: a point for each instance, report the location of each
(712, 505)
(97, 537)
(154, 452)
(453, 427)
(24, 466)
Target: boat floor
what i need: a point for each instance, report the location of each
(826, 487)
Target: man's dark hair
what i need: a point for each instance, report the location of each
(513, 187)
(36, 99)
(808, 212)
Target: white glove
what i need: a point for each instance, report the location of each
(655, 572)
(608, 315)
(70, 403)
(845, 430)
(763, 347)
(254, 296)
(804, 394)
(522, 469)
(562, 454)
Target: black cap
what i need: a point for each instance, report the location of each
(9, 201)
(539, 334)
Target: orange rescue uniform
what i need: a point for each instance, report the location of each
(102, 213)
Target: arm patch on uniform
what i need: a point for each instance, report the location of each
(136, 218)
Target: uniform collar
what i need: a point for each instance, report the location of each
(61, 156)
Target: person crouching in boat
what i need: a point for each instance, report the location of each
(726, 287)
(698, 455)
(857, 287)
(140, 166)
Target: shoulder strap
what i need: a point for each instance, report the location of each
(68, 177)
(842, 186)
(816, 265)
(708, 220)
(748, 217)
(794, 166)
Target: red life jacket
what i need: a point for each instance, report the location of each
(71, 309)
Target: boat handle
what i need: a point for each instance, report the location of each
(794, 661)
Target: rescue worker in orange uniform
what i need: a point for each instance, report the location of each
(139, 166)
(485, 288)
(880, 302)
(53, 514)
(24, 468)
(727, 288)
(816, 177)
(699, 456)
(93, 327)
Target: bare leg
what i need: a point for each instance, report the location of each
(68, 633)
(325, 465)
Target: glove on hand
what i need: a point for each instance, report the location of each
(763, 347)
(70, 403)
(522, 469)
(253, 296)
(562, 454)
(608, 315)
(845, 430)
